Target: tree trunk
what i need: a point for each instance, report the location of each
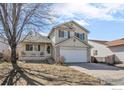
(13, 57)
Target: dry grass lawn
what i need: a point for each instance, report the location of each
(45, 74)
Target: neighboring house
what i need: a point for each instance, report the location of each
(68, 40)
(99, 50)
(117, 47)
(108, 51)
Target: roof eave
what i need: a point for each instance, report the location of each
(68, 22)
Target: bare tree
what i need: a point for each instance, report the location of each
(15, 19)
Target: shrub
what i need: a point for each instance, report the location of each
(61, 61)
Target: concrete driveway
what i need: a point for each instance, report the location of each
(110, 74)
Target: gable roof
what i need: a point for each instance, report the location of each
(67, 23)
(36, 37)
(117, 42)
(100, 41)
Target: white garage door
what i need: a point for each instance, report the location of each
(74, 54)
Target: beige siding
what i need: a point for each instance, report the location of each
(118, 51)
(57, 53)
(73, 42)
(53, 52)
(88, 55)
(53, 37)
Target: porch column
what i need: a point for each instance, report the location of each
(45, 49)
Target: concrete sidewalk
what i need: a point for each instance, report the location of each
(120, 65)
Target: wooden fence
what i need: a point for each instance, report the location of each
(109, 59)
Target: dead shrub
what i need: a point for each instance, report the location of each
(61, 61)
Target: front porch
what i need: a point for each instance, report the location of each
(35, 51)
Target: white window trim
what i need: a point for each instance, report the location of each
(83, 36)
(65, 34)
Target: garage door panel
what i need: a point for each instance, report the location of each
(74, 54)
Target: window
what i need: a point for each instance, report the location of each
(48, 49)
(61, 33)
(95, 52)
(80, 35)
(38, 47)
(64, 34)
(29, 47)
(77, 34)
(68, 34)
(83, 38)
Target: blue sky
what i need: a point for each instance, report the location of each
(105, 21)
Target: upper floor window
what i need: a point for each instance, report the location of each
(80, 35)
(29, 47)
(61, 33)
(64, 34)
(83, 38)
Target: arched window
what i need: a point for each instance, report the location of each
(48, 49)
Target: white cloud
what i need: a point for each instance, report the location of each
(82, 22)
(43, 33)
(90, 11)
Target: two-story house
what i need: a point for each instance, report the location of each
(68, 40)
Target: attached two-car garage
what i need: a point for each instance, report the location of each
(74, 54)
(73, 50)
